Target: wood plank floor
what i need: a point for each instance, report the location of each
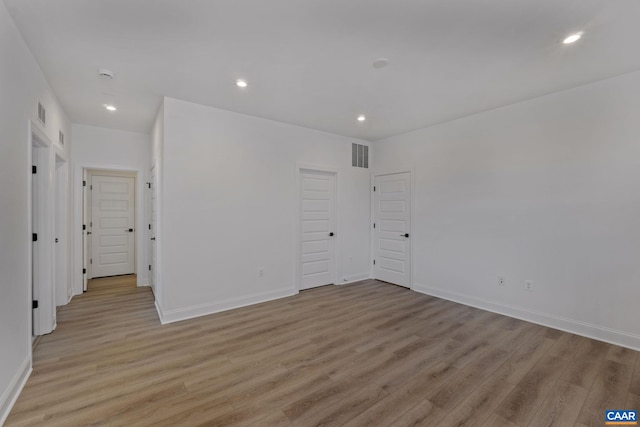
(363, 354)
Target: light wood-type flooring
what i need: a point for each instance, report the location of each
(364, 354)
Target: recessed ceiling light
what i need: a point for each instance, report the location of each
(361, 118)
(241, 83)
(110, 107)
(572, 38)
(380, 63)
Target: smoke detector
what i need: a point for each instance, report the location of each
(105, 74)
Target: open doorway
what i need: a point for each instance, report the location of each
(109, 214)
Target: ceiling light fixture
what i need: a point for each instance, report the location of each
(110, 107)
(380, 63)
(241, 83)
(361, 118)
(572, 38)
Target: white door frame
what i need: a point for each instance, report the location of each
(117, 174)
(42, 321)
(374, 175)
(78, 250)
(298, 209)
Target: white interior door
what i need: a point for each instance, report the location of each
(392, 218)
(153, 208)
(317, 228)
(35, 247)
(112, 219)
(43, 227)
(60, 241)
(86, 234)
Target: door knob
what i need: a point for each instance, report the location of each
(153, 238)
(331, 234)
(129, 230)
(404, 235)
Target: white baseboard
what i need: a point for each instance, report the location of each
(142, 285)
(12, 392)
(589, 330)
(170, 316)
(354, 278)
(159, 311)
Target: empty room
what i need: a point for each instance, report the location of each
(305, 213)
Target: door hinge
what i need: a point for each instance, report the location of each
(91, 261)
(149, 267)
(34, 237)
(374, 262)
(374, 188)
(84, 271)
(84, 183)
(34, 169)
(34, 304)
(91, 187)
(84, 227)
(149, 226)
(374, 225)
(149, 185)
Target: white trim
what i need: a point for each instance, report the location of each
(354, 278)
(12, 392)
(589, 330)
(61, 153)
(170, 316)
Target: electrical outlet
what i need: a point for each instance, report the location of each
(528, 285)
(500, 280)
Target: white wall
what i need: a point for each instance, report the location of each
(100, 148)
(22, 84)
(229, 207)
(545, 190)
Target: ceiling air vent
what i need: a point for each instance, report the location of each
(359, 156)
(42, 114)
(61, 137)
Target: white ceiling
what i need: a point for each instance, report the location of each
(309, 62)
